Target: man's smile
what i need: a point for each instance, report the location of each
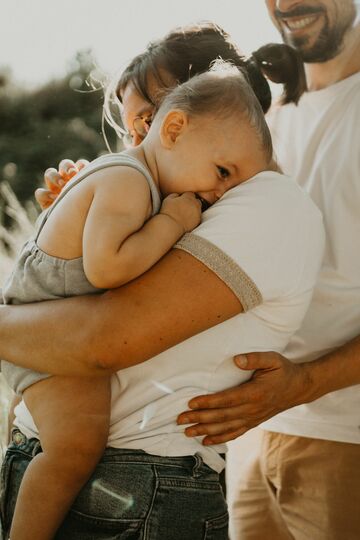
(299, 23)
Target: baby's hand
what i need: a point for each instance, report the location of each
(55, 180)
(185, 209)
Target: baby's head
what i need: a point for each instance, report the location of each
(209, 135)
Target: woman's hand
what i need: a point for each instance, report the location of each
(55, 180)
(276, 385)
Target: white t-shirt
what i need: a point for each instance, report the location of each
(317, 142)
(265, 239)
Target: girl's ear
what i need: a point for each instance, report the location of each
(173, 125)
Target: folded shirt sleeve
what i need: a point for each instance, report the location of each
(224, 267)
(263, 239)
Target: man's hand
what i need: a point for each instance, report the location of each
(276, 385)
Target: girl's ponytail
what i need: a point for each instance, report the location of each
(258, 83)
(281, 63)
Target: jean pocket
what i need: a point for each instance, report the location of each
(217, 528)
(5, 512)
(13, 468)
(77, 525)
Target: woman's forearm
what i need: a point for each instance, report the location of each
(50, 336)
(100, 334)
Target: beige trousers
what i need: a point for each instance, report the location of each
(283, 487)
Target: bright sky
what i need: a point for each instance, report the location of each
(38, 38)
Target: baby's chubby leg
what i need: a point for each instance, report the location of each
(72, 416)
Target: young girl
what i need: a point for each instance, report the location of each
(181, 54)
(108, 227)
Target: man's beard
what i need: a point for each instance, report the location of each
(328, 43)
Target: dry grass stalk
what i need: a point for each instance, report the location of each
(11, 241)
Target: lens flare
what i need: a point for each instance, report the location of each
(162, 387)
(357, 9)
(126, 499)
(149, 412)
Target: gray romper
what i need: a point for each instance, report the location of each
(38, 276)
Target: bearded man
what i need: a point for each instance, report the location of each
(304, 483)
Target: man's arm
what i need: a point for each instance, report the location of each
(100, 334)
(276, 385)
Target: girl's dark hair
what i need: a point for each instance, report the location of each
(280, 63)
(190, 50)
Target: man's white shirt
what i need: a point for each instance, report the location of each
(317, 142)
(265, 240)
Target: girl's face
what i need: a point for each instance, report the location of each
(137, 114)
(206, 154)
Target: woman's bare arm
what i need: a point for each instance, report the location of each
(100, 334)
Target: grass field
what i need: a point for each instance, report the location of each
(10, 243)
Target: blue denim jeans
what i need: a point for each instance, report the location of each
(131, 495)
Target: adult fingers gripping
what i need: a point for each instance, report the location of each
(258, 360)
(224, 437)
(214, 429)
(245, 393)
(227, 398)
(276, 385)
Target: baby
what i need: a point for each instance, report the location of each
(114, 220)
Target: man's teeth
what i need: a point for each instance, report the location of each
(300, 23)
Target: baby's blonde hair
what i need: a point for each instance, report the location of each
(224, 92)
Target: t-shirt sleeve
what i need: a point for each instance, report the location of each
(256, 239)
(226, 268)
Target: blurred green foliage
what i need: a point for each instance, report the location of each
(38, 128)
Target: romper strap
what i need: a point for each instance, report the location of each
(109, 160)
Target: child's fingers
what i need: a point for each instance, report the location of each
(53, 180)
(45, 197)
(67, 169)
(81, 163)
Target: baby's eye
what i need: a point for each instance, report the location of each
(224, 173)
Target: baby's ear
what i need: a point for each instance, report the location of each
(174, 124)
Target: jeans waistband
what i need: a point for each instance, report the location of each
(195, 463)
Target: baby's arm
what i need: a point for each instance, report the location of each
(119, 243)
